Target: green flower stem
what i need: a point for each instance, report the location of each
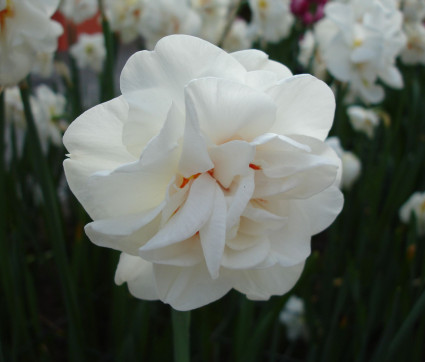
(107, 77)
(53, 227)
(408, 323)
(2, 172)
(181, 335)
(2, 200)
(74, 90)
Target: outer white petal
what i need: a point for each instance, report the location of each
(291, 244)
(261, 284)
(175, 61)
(126, 233)
(227, 110)
(97, 133)
(261, 79)
(253, 59)
(189, 288)
(306, 106)
(138, 274)
(94, 143)
(321, 209)
(141, 185)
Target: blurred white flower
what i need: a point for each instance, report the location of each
(414, 51)
(351, 165)
(125, 17)
(292, 317)
(310, 57)
(25, 30)
(49, 118)
(367, 38)
(79, 10)
(89, 51)
(14, 107)
(415, 205)
(165, 17)
(272, 20)
(238, 37)
(208, 173)
(413, 10)
(213, 15)
(363, 120)
(43, 64)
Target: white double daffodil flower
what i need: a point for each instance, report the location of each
(209, 173)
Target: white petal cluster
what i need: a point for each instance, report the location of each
(89, 51)
(125, 17)
(207, 19)
(363, 119)
(79, 10)
(367, 37)
(414, 51)
(414, 16)
(49, 117)
(25, 30)
(310, 57)
(165, 17)
(43, 64)
(209, 173)
(413, 10)
(239, 36)
(351, 165)
(292, 317)
(152, 19)
(213, 14)
(415, 205)
(47, 107)
(272, 20)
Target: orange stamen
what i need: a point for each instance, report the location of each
(255, 167)
(186, 180)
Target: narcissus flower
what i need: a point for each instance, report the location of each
(25, 30)
(363, 119)
(79, 11)
(367, 38)
(415, 205)
(208, 173)
(292, 317)
(90, 51)
(272, 20)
